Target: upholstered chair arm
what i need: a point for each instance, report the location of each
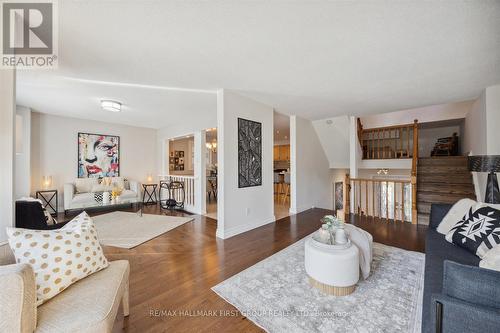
(69, 193)
(451, 315)
(17, 298)
(135, 186)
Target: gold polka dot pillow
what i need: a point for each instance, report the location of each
(59, 257)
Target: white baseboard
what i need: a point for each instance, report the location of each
(300, 209)
(230, 232)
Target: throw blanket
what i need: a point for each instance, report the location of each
(363, 240)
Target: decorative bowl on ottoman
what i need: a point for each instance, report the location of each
(333, 269)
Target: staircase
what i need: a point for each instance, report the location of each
(443, 179)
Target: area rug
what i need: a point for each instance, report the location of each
(127, 230)
(276, 296)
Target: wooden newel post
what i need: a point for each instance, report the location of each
(347, 197)
(414, 212)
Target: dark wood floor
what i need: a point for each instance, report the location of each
(175, 271)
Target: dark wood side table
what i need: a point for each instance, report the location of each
(150, 192)
(48, 197)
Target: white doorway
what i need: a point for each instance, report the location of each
(211, 172)
(281, 166)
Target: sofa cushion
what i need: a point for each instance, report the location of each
(478, 231)
(84, 185)
(128, 194)
(491, 259)
(82, 198)
(101, 188)
(437, 250)
(59, 257)
(90, 305)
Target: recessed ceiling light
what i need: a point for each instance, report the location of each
(112, 106)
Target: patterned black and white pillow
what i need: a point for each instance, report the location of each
(48, 217)
(478, 231)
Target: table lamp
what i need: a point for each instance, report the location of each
(490, 164)
(46, 182)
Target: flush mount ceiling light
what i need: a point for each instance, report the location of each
(112, 106)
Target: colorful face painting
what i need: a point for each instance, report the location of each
(98, 155)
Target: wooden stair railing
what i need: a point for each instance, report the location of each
(387, 142)
(391, 142)
(386, 199)
(414, 165)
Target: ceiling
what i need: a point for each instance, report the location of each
(281, 127)
(165, 60)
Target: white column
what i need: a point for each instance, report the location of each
(200, 172)
(293, 164)
(220, 164)
(353, 154)
(7, 149)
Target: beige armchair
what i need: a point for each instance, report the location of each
(89, 305)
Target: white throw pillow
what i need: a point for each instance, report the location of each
(101, 188)
(455, 214)
(118, 182)
(84, 185)
(491, 259)
(59, 257)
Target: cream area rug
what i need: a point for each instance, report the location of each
(276, 296)
(127, 230)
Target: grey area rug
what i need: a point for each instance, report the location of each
(127, 230)
(276, 296)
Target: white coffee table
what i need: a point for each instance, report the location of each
(332, 270)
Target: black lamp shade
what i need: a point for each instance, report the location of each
(484, 163)
(490, 164)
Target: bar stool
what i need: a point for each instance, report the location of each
(277, 184)
(286, 187)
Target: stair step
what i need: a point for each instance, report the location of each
(447, 178)
(443, 160)
(440, 198)
(423, 207)
(423, 218)
(442, 168)
(464, 189)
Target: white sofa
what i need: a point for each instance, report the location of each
(72, 197)
(89, 305)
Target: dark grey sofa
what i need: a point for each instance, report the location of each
(469, 299)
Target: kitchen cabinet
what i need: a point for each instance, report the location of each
(282, 153)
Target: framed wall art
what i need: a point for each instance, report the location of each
(98, 155)
(249, 153)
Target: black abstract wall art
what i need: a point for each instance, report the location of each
(249, 153)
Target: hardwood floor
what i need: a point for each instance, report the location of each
(175, 271)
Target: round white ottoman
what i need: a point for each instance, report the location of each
(333, 271)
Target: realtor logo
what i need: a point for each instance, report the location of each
(29, 34)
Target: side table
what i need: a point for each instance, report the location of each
(149, 194)
(48, 197)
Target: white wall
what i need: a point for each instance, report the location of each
(23, 152)
(310, 168)
(475, 123)
(333, 134)
(54, 149)
(482, 136)
(7, 149)
(425, 114)
(184, 126)
(186, 145)
(242, 209)
(427, 138)
(493, 120)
